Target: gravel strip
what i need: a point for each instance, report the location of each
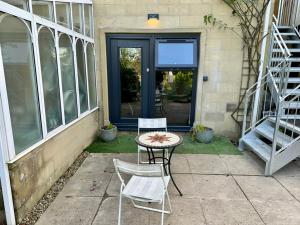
(41, 206)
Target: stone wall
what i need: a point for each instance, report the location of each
(33, 174)
(220, 50)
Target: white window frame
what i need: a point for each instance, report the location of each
(35, 21)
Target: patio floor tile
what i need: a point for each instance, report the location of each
(279, 212)
(263, 188)
(180, 164)
(292, 184)
(207, 164)
(108, 213)
(70, 211)
(185, 211)
(87, 187)
(246, 164)
(217, 187)
(185, 183)
(229, 212)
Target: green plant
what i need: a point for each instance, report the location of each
(109, 126)
(197, 128)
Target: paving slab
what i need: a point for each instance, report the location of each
(185, 211)
(87, 187)
(71, 211)
(246, 164)
(207, 164)
(229, 212)
(179, 164)
(217, 187)
(292, 184)
(279, 212)
(263, 188)
(113, 188)
(108, 213)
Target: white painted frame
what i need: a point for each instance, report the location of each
(35, 21)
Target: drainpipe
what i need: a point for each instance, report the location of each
(267, 23)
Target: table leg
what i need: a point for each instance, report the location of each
(149, 157)
(164, 164)
(170, 172)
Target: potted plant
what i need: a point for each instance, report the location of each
(108, 132)
(202, 134)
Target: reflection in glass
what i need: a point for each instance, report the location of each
(130, 72)
(50, 79)
(68, 78)
(20, 77)
(42, 8)
(77, 17)
(83, 98)
(63, 14)
(91, 76)
(173, 94)
(22, 4)
(88, 20)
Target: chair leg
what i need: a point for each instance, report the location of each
(120, 209)
(169, 201)
(162, 211)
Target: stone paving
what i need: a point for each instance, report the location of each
(218, 190)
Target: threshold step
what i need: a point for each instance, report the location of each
(287, 125)
(291, 80)
(267, 131)
(258, 146)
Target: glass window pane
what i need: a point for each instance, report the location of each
(68, 78)
(50, 79)
(22, 4)
(88, 20)
(91, 76)
(174, 53)
(81, 77)
(20, 77)
(130, 72)
(77, 17)
(43, 9)
(63, 14)
(173, 93)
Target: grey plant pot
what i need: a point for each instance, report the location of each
(206, 136)
(108, 135)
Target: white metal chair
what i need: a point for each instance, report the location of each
(151, 124)
(147, 184)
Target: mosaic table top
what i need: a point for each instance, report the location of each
(159, 139)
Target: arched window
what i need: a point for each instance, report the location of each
(50, 78)
(20, 78)
(81, 76)
(91, 75)
(68, 77)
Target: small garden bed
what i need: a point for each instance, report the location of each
(125, 143)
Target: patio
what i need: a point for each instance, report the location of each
(218, 189)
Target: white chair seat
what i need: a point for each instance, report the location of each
(149, 189)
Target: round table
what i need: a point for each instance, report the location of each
(162, 141)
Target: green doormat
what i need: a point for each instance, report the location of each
(125, 143)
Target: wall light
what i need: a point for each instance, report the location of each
(153, 19)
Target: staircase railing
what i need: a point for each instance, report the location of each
(288, 12)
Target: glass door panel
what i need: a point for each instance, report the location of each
(131, 77)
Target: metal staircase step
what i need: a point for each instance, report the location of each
(291, 80)
(289, 59)
(291, 105)
(267, 131)
(284, 27)
(287, 34)
(295, 92)
(290, 69)
(291, 117)
(285, 124)
(290, 49)
(258, 146)
(292, 41)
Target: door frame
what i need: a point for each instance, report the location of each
(151, 37)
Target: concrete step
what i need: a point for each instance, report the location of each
(258, 146)
(285, 124)
(291, 80)
(266, 130)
